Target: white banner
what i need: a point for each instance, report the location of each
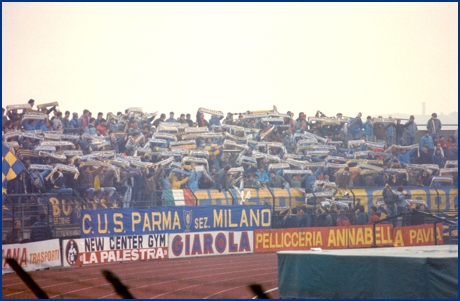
(210, 243)
(32, 256)
(83, 251)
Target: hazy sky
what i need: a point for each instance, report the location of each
(376, 58)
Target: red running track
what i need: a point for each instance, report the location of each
(214, 277)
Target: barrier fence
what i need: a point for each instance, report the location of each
(64, 213)
(136, 247)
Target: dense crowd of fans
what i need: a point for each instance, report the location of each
(134, 155)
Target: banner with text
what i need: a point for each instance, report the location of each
(95, 250)
(98, 223)
(210, 243)
(321, 237)
(33, 255)
(420, 235)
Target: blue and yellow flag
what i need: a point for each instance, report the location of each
(11, 167)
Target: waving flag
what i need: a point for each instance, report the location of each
(11, 167)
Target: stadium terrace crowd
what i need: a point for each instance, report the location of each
(135, 155)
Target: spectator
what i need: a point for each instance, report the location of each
(189, 119)
(157, 121)
(410, 130)
(380, 131)
(334, 214)
(434, 126)
(427, 141)
(98, 119)
(252, 181)
(295, 181)
(200, 120)
(390, 198)
(368, 129)
(275, 181)
(438, 158)
(400, 204)
(305, 218)
(417, 218)
(86, 181)
(215, 120)
(229, 119)
(355, 130)
(16, 234)
(171, 118)
(262, 175)
(41, 229)
(399, 128)
(102, 127)
(57, 121)
(343, 178)
(390, 132)
(425, 156)
(310, 180)
(74, 121)
(361, 217)
(452, 153)
(4, 118)
(342, 220)
(373, 215)
(324, 219)
(66, 121)
(182, 119)
(90, 128)
(291, 220)
(84, 119)
(404, 156)
(57, 179)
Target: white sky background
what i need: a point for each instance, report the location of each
(374, 58)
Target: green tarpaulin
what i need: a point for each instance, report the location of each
(389, 273)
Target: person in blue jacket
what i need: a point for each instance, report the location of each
(310, 180)
(215, 120)
(404, 156)
(355, 129)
